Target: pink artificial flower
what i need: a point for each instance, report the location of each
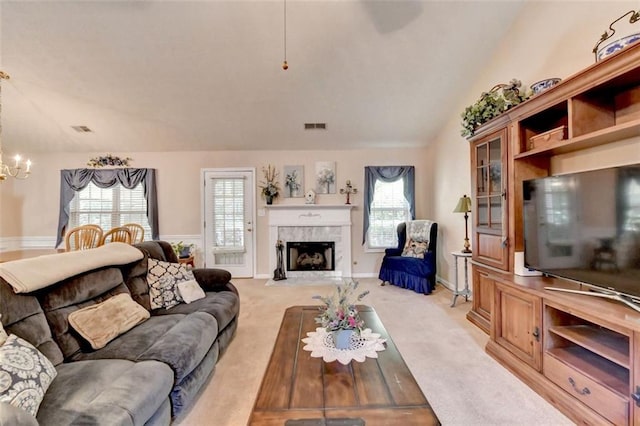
(352, 322)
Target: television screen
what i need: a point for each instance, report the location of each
(586, 227)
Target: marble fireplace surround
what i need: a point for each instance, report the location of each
(312, 222)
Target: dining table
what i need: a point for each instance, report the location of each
(10, 255)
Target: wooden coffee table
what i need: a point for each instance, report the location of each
(298, 390)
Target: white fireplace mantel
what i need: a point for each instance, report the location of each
(313, 215)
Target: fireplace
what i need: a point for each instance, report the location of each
(312, 223)
(311, 256)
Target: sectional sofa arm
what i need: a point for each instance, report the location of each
(212, 279)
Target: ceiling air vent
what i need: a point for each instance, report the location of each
(309, 126)
(81, 129)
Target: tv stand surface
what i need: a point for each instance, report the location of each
(606, 294)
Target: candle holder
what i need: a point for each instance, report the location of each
(348, 189)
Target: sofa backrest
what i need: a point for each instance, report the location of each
(65, 297)
(23, 316)
(135, 274)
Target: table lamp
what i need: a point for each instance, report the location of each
(464, 206)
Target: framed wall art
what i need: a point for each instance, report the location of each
(326, 177)
(293, 181)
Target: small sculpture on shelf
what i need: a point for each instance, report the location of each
(348, 189)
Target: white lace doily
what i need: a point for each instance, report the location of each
(320, 344)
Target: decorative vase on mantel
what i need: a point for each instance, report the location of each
(342, 338)
(269, 199)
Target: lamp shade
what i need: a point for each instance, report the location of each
(464, 205)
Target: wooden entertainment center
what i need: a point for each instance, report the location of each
(581, 353)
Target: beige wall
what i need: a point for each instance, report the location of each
(30, 207)
(550, 39)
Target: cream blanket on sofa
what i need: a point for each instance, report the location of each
(27, 275)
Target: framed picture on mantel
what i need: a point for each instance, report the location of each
(293, 181)
(326, 177)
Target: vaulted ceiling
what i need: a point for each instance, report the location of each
(206, 75)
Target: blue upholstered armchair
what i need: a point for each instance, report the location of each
(412, 264)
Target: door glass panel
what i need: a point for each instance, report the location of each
(495, 154)
(495, 181)
(482, 180)
(496, 212)
(481, 155)
(483, 211)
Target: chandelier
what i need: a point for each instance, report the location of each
(20, 169)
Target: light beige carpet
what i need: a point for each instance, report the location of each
(443, 350)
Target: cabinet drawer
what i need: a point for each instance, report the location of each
(605, 402)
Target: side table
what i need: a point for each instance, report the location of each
(465, 292)
(187, 260)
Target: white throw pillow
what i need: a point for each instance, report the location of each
(171, 274)
(190, 291)
(25, 374)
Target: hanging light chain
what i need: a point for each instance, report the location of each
(285, 66)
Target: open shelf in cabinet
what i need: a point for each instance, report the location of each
(600, 114)
(601, 341)
(608, 374)
(600, 137)
(595, 351)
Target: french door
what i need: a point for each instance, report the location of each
(228, 220)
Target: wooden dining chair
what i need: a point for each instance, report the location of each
(137, 232)
(83, 237)
(118, 234)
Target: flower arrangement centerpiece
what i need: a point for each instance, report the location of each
(340, 313)
(270, 186)
(291, 182)
(491, 104)
(109, 160)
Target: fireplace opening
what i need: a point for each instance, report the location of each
(311, 256)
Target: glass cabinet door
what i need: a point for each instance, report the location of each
(489, 203)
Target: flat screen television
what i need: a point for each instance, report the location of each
(585, 227)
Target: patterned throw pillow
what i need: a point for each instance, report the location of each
(415, 249)
(25, 374)
(162, 278)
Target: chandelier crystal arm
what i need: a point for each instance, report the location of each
(20, 169)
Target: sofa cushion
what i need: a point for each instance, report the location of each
(25, 374)
(224, 306)
(106, 392)
(101, 323)
(181, 341)
(22, 315)
(76, 293)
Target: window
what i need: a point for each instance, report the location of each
(389, 200)
(109, 207)
(388, 209)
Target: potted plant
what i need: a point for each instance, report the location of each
(270, 186)
(339, 314)
(181, 249)
(491, 104)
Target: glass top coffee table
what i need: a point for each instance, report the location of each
(298, 390)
